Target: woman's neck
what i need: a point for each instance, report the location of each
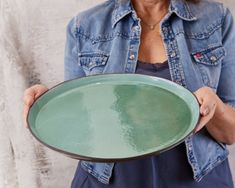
(150, 7)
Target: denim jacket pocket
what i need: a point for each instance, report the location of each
(211, 56)
(92, 62)
(209, 63)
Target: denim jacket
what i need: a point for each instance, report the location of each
(199, 40)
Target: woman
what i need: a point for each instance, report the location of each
(187, 42)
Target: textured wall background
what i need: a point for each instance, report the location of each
(31, 51)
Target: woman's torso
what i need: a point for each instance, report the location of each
(107, 41)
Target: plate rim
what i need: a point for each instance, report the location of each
(97, 159)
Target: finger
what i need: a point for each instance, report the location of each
(29, 96)
(30, 91)
(204, 110)
(207, 106)
(33, 93)
(40, 90)
(203, 121)
(28, 100)
(198, 97)
(25, 113)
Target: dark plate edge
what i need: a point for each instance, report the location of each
(93, 159)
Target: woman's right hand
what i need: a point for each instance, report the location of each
(30, 95)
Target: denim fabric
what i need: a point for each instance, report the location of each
(199, 40)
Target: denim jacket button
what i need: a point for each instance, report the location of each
(164, 29)
(136, 28)
(173, 54)
(132, 57)
(213, 58)
(178, 82)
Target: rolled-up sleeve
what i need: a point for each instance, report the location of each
(72, 69)
(226, 87)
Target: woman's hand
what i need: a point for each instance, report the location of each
(210, 106)
(30, 95)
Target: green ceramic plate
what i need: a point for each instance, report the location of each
(114, 117)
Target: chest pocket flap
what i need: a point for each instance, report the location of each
(210, 56)
(91, 60)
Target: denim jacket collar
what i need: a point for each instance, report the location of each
(122, 8)
(182, 10)
(179, 7)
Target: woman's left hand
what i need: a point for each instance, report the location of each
(210, 105)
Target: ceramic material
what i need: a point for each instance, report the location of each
(114, 117)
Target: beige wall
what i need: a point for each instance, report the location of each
(31, 50)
